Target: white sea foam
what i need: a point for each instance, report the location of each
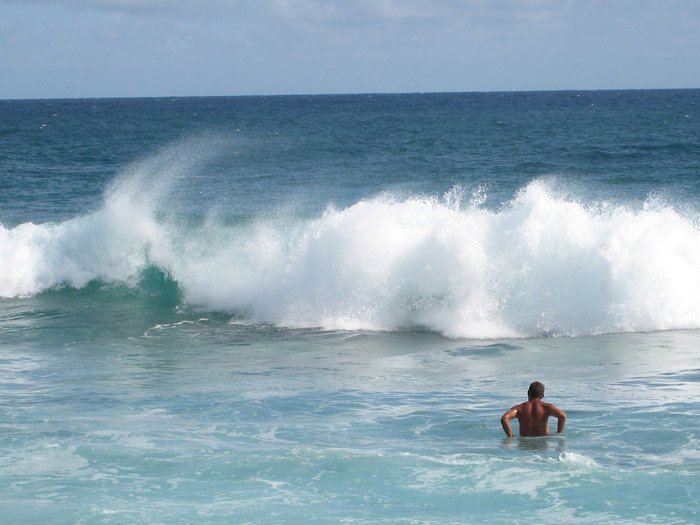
(542, 264)
(47, 459)
(574, 458)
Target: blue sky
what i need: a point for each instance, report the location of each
(108, 48)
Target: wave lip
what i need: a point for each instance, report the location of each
(36, 258)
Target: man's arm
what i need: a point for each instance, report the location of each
(505, 420)
(559, 414)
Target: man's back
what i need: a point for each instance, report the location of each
(533, 415)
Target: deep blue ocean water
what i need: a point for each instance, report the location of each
(315, 309)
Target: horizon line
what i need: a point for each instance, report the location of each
(348, 94)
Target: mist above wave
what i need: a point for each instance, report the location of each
(541, 264)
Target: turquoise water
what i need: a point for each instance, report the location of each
(316, 309)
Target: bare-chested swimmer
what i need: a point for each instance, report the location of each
(533, 415)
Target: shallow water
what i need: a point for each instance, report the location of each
(203, 420)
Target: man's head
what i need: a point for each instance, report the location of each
(536, 390)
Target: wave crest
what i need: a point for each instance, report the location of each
(542, 264)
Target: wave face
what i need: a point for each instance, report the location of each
(542, 264)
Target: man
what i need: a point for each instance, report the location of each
(533, 415)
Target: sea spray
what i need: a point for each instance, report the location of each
(114, 243)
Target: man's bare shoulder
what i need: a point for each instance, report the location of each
(552, 409)
(521, 407)
(512, 412)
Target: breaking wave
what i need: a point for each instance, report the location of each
(543, 263)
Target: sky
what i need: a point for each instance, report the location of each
(127, 48)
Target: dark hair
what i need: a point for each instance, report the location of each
(536, 390)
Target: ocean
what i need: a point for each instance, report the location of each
(315, 309)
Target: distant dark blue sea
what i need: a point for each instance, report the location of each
(315, 309)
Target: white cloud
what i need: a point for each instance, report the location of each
(330, 11)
